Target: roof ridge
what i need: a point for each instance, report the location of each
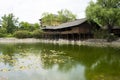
(67, 24)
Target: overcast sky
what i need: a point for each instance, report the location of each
(31, 10)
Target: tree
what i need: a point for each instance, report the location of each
(27, 26)
(36, 26)
(65, 16)
(24, 26)
(104, 12)
(9, 22)
(49, 19)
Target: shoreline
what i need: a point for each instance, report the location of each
(16, 40)
(89, 42)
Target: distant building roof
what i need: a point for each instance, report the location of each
(68, 24)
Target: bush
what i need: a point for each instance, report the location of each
(2, 35)
(3, 30)
(103, 34)
(37, 33)
(22, 34)
(100, 34)
(9, 35)
(111, 37)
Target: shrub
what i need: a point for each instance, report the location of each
(111, 37)
(2, 35)
(22, 34)
(9, 35)
(100, 34)
(3, 30)
(103, 34)
(37, 33)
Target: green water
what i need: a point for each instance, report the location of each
(58, 62)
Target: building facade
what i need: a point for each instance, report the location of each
(75, 30)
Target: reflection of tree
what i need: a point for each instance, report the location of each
(51, 57)
(104, 70)
(7, 53)
(100, 63)
(106, 67)
(11, 54)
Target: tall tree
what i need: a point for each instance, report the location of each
(104, 12)
(65, 16)
(49, 19)
(36, 26)
(9, 22)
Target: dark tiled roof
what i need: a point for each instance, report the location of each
(66, 25)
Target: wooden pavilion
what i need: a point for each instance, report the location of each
(74, 30)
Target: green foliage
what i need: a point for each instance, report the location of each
(22, 34)
(24, 25)
(2, 35)
(104, 12)
(9, 35)
(49, 19)
(9, 22)
(36, 26)
(65, 16)
(103, 34)
(111, 37)
(3, 30)
(10, 27)
(28, 26)
(100, 34)
(37, 33)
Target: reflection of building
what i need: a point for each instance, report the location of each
(78, 29)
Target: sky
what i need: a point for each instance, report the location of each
(31, 10)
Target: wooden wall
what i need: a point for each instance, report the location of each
(81, 31)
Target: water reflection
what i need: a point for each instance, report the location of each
(58, 62)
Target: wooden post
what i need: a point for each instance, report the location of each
(67, 36)
(79, 36)
(73, 37)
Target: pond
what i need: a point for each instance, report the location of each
(40, 61)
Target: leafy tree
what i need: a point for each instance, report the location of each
(65, 16)
(28, 26)
(24, 26)
(104, 12)
(9, 22)
(3, 31)
(36, 26)
(49, 19)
